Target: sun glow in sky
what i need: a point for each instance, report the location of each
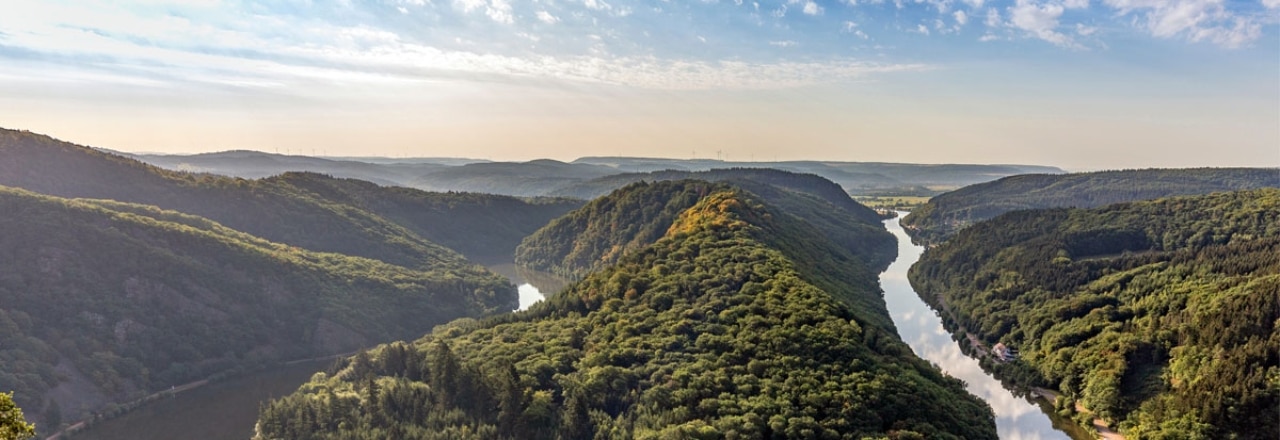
(1082, 84)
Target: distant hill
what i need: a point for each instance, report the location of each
(527, 179)
(255, 165)
(549, 177)
(737, 321)
(947, 213)
(303, 209)
(102, 301)
(869, 178)
(1160, 316)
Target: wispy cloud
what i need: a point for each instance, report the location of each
(758, 44)
(1195, 20)
(1041, 21)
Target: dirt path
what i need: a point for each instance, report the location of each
(1104, 431)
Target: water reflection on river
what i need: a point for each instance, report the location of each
(530, 283)
(919, 326)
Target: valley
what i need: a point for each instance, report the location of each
(640, 304)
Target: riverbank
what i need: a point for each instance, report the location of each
(980, 351)
(1104, 431)
(921, 327)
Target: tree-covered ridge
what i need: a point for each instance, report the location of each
(302, 209)
(636, 215)
(947, 213)
(102, 301)
(811, 184)
(710, 332)
(1160, 316)
(608, 228)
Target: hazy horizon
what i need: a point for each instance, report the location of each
(1076, 84)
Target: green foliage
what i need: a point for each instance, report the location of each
(713, 330)
(1160, 316)
(636, 215)
(137, 299)
(945, 214)
(13, 426)
(606, 229)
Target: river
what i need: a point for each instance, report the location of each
(228, 410)
(529, 283)
(1017, 418)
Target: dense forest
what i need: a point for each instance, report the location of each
(945, 214)
(1159, 316)
(102, 301)
(736, 322)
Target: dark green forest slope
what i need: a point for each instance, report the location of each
(302, 209)
(947, 213)
(721, 328)
(102, 301)
(1160, 316)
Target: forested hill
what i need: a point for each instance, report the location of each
(947, 213)
(483, 227)
(611, 226)
(713, 331)
(1159, 315)
(103, 302)
(809, 184)
(303, 209)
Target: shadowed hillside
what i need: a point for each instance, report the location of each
(947, 213)
(102, 301)
(396, 225)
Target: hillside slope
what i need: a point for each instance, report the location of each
(102, 301)
(1160, 316)
(313, 211)
(947, 213)
(715, 330)
(483, 227)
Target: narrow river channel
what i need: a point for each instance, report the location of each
(920, 327)
(227, 410)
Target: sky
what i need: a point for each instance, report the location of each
(1080, 84)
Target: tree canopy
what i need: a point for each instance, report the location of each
(1160, 316)
(13, 426)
